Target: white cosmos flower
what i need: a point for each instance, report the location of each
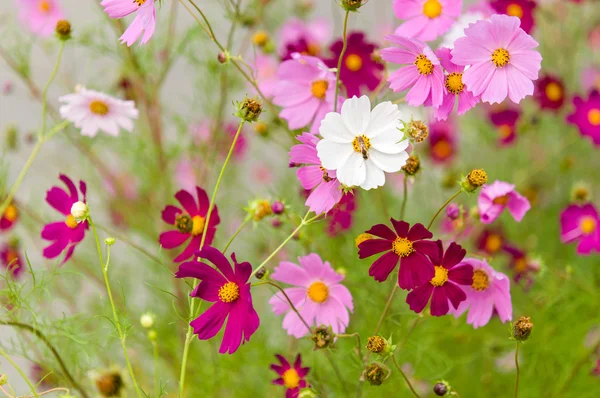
(361, 144)
(91, 111)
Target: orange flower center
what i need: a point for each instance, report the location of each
(521, 265)
(441, 276)
(553, 91)
(198, 224)
(594, 116)
(291, 378)
(11, 213)
(454, 83)
(505, 130)
(71, 221)
(442, 149)
(139, 2)
(480, 280)
(424, 65)
(44, 6)
(501, 200)
(587, 225)
(318, 292)
(432, 8)
(354, 62)
(514, 10)
(493, 243)
(229, 292)
(500, 57)
(319, 89)
(313, 49)
(99, 107)
(402, 247)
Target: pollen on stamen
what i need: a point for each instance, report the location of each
(480, 280)
(291, 378)
(402, 247)
(424, 65)
(198, 224)
(229, 292)
(454, 83)
(500, 57)
(318, 292)
(319, 89)
(71, 222)
(441, 276)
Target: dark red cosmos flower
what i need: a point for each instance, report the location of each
(522, 9)
(9, 217)
(408, 246)
(549, 92)
(442, 140)
(340, 217)
(11, 259)
(523, 267)
(228, 288)
(190, 223)
(291, 377)
(358, 66)
(491, 241)
(443, 287)
(505, 121)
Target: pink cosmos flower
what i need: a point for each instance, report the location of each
(306, 91)
(489, 291)
(326, 189)
(444, 286)
(308, 38)
(497, 196)
(190, 222)
(522, 9)
(291, 377)
(456, 90)
(40, 16)
(587, 116)
(502, 62)
(265, 69)
(580, 223)
(144, 22)
(11, 259)
(426, 19)
(185, 174)
(423, 73)
(228, 288)
(506, 121)
(69, 232)
(9, 217)
(319, 296)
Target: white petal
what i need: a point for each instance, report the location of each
(385, 118)
(353, 172)
(392, 142)
(386, 162)
(333, 129)
(332, 154)
(356, 113)
(375, 177)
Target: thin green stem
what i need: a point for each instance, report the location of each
(442, 208)
(18, 369)
(290, 303)
(236, 233)
(404, 197)
(339, 64)
(47, 87)
(358, 344)
(414, 325)
(337, 371)
(122, 336)
(156, 378)
(386, 309)
(405, 378)
(517, 366)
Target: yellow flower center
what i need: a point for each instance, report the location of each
(318, 292)
(432, 8)
(44, 6)
(354, 62)
(505, 131)
(139, 2)
(442, 149)
(480, 280)
(262, 209)
(362, 237)
(441, 276)
(493, 243)
(521, 265)
(587, 225)
(11, 213)
(11, 256)
(291, 378)
(99, 107)
(71, 221)
(402, 247)
(424, 65)
(312, 49)
(500, 57)
(362, 144)
(594, 117)
(319, 89)
(553, 91)
(501, 200)
(260, 38)
(229, 292)
(198, 224)
(454, 83)
(514, 10)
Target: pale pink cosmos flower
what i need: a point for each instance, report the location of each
(457, 91)
(92, 111)
(501, 59)
(40, 16)
(307, 38)
(426, 19)
(423, 74)
(497, 196)
(143, 24)
(265, 69)
(489, 292)
(318, 295)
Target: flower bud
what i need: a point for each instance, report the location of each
(110, 241)
(522, 328)
(63, 30)
(475, 179)
(222, 58)
(79, 210)
(261, 129)
(109, 384)
(440, 389)
(261, 273)
(376, 373)
(147, 320)
(453, 211)
(376, 344)
(249, 110)
(352, 5)
(276, 223)
(3, 379)
(323, 337)
(416, 130)
(581, 193)
(260, 38)
(278, 207)
(412, 166)
(259, 209)
(152, 335)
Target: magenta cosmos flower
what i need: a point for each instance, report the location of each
(340, 218)
(326, 189)
(587, 116)
(318, 295)
(550, 93)
(69, 232)
(305, 91)
(522, 9)
(442, 141)
(490, 241)
(359, 69)
(580, 223)
(506, 121)
(426, 19)
(143, 23)
(456, 90)
(489, 292)
(9, 217)
(502, 62)
(11, 259)
(40, 16)
(423, 73)
(291, 377)
(190, 222)
(228, 288)
(497, 196)
(308, 38)
(444, 286)
(408, 246)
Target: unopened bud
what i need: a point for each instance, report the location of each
(249, 110)
(278, 207)
(522, 328)
(440, 389)
(352, 5)
(376, 344)
(110, 241)
(79, 210)
(63, 30)
(416, 130)
(222, 58)
(307, 393)
(581, 193)
(3, 379)
(147, 320)
(260, 38)
(152, 335)
(453, 211)
(261, 273)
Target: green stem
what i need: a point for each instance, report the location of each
(442, 208)
(337, 371)
(122, 336)
(404, 197)
(339, 64)
(156, 378)
(23, 375)
(517, 366)
(386, 308)
(358, 345)
(405, 378)
(236, 233)
(47, 87)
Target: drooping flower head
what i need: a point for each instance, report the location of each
(359, 69)
(495, 197)
(423, 74)
(229, 289)
(40, 16)
(361, 144)
(456, 90)
(11, 259)
(426, 19)
(92, 111)
(444, 286)
(410, 245)
(442, 141)
(587, 116)
(489, 292)
(326, 189)
(308, 38)
(306, 91)
(189, 222)
(501, 59)
(550, 93)
(318, 295)
(291, 377)
(65, 234)
(581, 224)
(9, 217)
(144, 23)
(522, 9)
(505, 121)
